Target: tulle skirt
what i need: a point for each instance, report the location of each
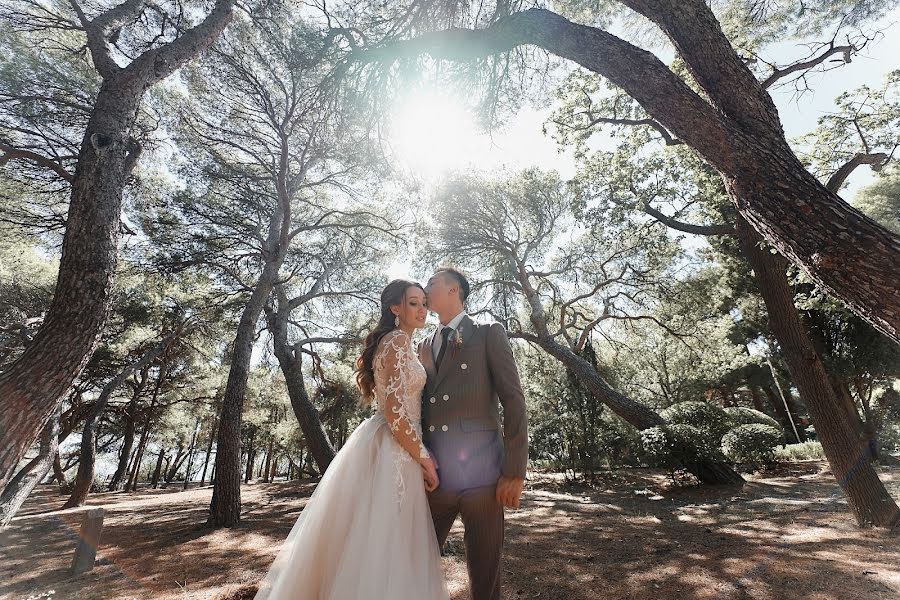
(366, 532)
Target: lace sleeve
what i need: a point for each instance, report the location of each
(394, 358)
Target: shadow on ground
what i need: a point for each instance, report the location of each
(629, 535)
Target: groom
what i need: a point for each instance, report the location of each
(481, 467)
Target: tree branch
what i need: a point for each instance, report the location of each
(10, 153)
(719, 229)
(877, 160)
(807, 64)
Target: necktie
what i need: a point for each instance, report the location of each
(445, 335)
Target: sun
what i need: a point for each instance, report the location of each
(433, 133)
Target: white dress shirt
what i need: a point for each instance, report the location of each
(436, 342)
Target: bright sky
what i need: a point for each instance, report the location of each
(435, 134)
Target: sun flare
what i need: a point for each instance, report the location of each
(434, 133)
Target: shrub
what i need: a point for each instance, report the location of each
(746, 416)
(676, 445)
(804, 451)
(711, 421)
(753, 443)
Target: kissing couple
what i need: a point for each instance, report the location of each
(433, 450)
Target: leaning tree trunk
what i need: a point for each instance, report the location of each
(21, 486)
(290, 361)
(638, 415)
(731, 122)
(127, 442)
(34, 386)
(85, 476)
(145, 432)
(849, 455)
(634, 413)
(225, 507)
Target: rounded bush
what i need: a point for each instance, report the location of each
(753, 443)
(675, 445)
(710, 420)
(746, 416)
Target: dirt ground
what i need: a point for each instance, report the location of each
(785, 534)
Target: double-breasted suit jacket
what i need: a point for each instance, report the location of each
(461, 408)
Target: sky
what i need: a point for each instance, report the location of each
(435, 134)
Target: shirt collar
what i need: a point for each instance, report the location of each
(454, 322)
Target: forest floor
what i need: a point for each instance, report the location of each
(632, 534)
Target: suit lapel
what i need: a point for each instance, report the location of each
(466, 329)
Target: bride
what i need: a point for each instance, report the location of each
(367, 532)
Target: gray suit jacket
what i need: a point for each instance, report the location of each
(460, 410)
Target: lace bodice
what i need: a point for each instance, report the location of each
(399, 379)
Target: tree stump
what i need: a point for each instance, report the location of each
(88, 542)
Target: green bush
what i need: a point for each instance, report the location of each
(746, 416)
(804, 451)
(711, 421)
(753, 443)
(676, 445)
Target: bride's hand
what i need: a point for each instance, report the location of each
(429, 473)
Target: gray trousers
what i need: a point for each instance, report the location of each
(482, 518)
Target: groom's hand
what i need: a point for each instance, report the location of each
(509, 491)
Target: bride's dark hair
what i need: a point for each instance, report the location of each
(392, 295)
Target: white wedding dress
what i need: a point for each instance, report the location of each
(366, 532)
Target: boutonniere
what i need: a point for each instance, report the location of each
(458, 339)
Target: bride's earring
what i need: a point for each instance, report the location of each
(396, 321)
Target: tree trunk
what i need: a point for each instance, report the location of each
(127, 442)
(267, 464)
(212, 437)
(849, 456)
(251, 459)
(60, 475)
(145, 432)
(187, 473)
(21, 486)
(154, 481)
(172, 471)
(291, 365)
(225, 507)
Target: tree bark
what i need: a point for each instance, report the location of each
(291, 363)
(21, 486)
(734, 127)
(34, 386)
(849, 455)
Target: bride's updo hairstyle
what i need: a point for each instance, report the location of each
(393, 294)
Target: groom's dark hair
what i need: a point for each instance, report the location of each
(457, 275)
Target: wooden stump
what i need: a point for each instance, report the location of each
(88, 542)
